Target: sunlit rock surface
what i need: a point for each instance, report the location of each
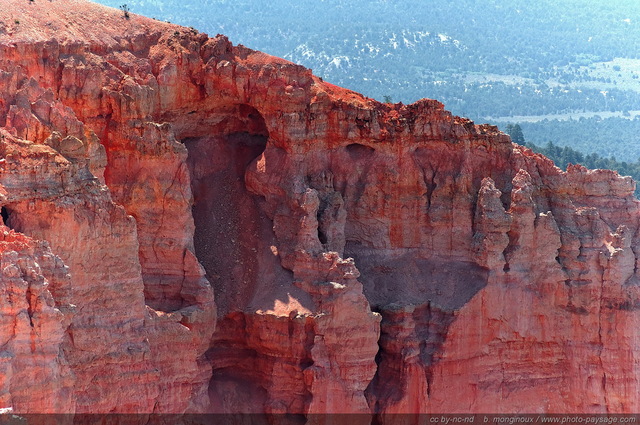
(365, 257)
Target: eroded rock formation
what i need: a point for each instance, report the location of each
(365, 257)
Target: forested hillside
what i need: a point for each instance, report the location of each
(550, 66)
(608, 137)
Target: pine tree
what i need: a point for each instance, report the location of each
(516, 133)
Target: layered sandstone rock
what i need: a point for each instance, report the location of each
(33, 326)
(365, 258)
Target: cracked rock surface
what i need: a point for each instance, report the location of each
(196, 227)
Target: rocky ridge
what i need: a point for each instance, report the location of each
(365, 257)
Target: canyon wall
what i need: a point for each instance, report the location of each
(365, 258)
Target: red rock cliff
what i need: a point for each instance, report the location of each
(365, 257)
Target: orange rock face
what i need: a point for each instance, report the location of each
(365, 258)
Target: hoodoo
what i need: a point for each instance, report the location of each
(195, 227)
